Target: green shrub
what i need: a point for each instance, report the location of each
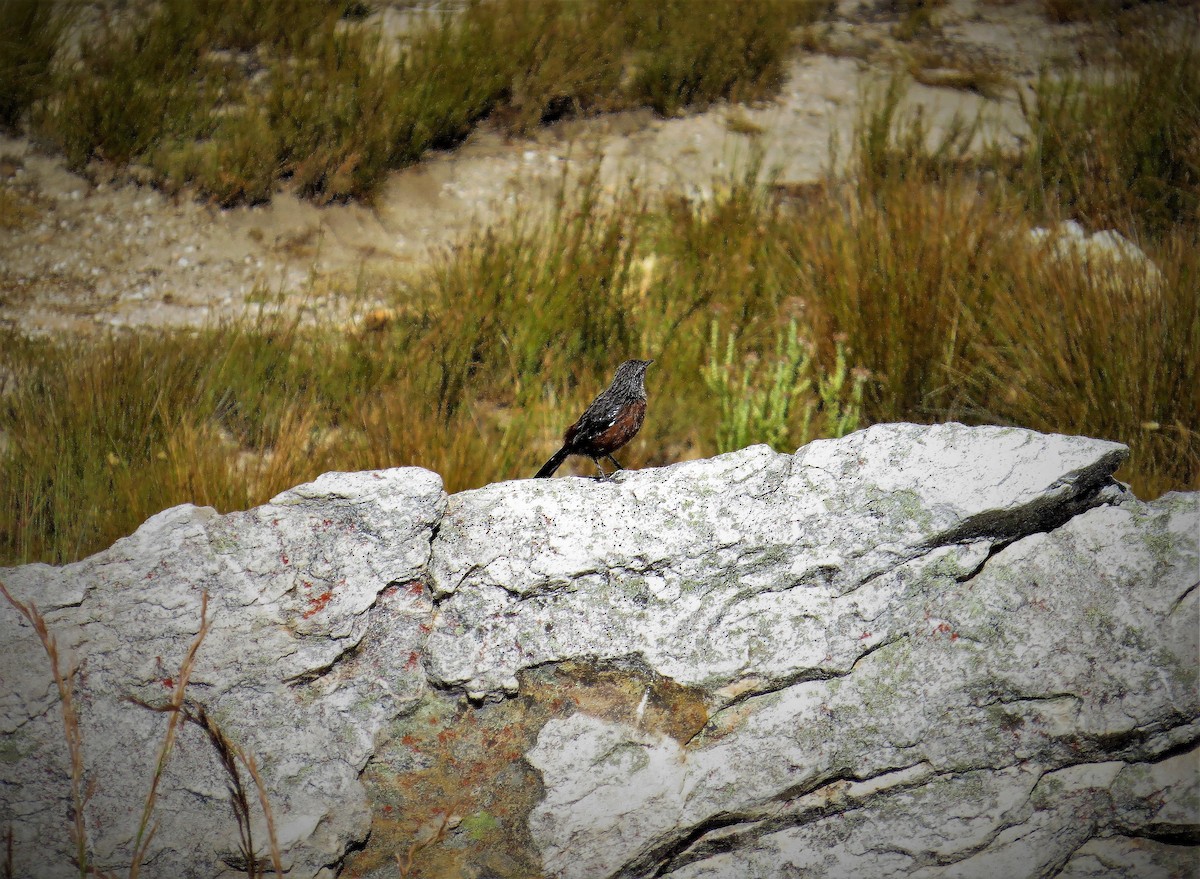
(774, 401)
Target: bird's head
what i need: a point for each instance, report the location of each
(632, 372)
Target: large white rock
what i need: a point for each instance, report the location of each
(925, 651)
(753, 565)
(288, 670)
(1042, 700)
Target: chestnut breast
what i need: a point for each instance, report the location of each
(623, 428)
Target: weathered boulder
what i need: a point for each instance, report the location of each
(287, 670)
(918, 651)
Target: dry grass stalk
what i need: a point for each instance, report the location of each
(230, 755)
(268, 815)
(142, 841)
(71, 730)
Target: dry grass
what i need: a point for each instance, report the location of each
(917, 270)
(929, 281)
(1124, 365)
(177, 707)
(233, 99)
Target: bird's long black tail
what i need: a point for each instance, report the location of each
(553, 464)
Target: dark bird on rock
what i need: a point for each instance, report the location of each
(613, 419)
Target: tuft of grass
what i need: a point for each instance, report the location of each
(30, 34)
(1075, 11)
(892, 145)
(1120, 151)
(691, 55)
(739, 123)
(134, 85)
(917, 18)
(20, 204)
(145, 831)
(231, 98)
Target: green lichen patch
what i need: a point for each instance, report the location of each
(450, 790)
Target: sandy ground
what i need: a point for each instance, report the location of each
(81, 257)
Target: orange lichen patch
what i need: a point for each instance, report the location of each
(459, 768)
(450, 792)
(317, 603)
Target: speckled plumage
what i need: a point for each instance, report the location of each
(611, 421)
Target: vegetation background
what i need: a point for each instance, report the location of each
(905, 286)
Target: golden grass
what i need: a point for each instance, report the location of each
(917, 270)
(931, 288)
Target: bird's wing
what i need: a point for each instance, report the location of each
(597, 418)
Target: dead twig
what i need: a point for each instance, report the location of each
(405, 865)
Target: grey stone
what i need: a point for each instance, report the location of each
(288, 671)
(924, 651)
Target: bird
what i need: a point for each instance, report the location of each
(612, 420)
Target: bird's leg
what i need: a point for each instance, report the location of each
(603, 477)
(616, 463)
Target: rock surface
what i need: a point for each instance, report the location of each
(917, 651)
(294, 588)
